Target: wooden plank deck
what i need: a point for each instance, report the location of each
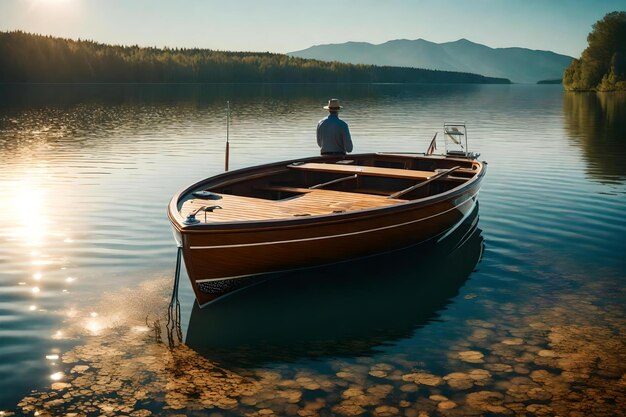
(311, 202)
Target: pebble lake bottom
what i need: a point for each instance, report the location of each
(519, 313)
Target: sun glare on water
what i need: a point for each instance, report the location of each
(25, 211)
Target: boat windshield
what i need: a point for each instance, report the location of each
(455, 138)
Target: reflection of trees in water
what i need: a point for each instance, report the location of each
(68, 95)
(80, 116)
(598, 121)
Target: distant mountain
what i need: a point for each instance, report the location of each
(517, 64)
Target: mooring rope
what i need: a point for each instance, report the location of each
(174, 332)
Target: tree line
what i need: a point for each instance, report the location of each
(602, 65)
(26, 57)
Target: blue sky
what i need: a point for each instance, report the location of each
(288, 25)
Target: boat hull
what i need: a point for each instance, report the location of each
(409, 288)
(220, 261)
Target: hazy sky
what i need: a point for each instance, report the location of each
(289, 25)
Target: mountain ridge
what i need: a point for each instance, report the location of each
(522, 65)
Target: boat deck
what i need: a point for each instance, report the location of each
(311, 202)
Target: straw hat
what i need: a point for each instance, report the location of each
(333, 104)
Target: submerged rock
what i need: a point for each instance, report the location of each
(423, 378)
(471, 356)
(459, 380)
(487, 401)
(386, 411)
(348, 409)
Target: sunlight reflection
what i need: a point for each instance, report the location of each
(93, 326)
(52, 357)
(27, 208)
(32, 308)
(57, 376)
(35, 290)
(37, 276)
(115, 310)
(141, 328)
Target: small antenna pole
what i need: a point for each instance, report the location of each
(227, 135)
(433, 145)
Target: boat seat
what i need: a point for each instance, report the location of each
(286, 189)
(361, 194)
(364, 170)
(368, 191)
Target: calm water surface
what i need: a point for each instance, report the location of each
(521, 313)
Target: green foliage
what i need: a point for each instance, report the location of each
(558, 81)
(602, 65)
(34, 58)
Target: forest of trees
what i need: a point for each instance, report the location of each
(558, 81)
(602, 66)
(27, 57)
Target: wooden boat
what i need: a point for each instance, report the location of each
(286, 319)
(237, 226)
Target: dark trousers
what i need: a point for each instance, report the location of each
(333, 153)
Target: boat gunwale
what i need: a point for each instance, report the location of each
(314, 220)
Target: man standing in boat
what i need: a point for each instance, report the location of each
(333, 134)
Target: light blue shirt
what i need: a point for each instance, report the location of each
(333, 135)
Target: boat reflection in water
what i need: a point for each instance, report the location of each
(345, 309)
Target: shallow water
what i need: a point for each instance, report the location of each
(534, 323)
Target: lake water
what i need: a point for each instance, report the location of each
(523, 313)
